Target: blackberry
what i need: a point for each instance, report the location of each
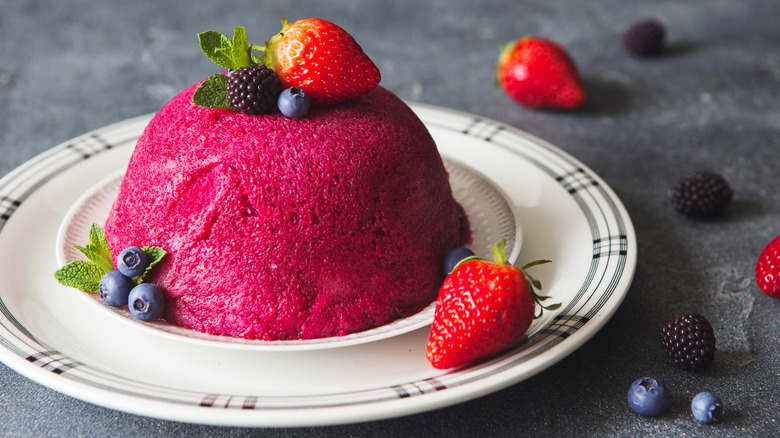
(689, 342)
(644, 38)
(701, 195)
(254, 89)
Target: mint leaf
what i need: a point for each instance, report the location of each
(80, 274)
(217, 48)
(154, 254)
(86, 275)
(241, 52)
(226, 53)
(97, 237)
(213, 93)
(96, 257)
(97, 249)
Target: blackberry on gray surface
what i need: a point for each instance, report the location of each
(689, 341)
(644, 38)
(254, 89)
(701, 195)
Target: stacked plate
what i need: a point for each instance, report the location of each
(511, 184)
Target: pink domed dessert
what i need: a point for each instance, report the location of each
(283, 228)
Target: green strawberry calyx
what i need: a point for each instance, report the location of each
(503, 57)
(499, 256)
(537, 285)
(268, 50)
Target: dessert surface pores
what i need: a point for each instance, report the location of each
(283, 228)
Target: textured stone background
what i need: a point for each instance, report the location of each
(711, 102)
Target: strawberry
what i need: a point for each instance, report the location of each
(539, 73)
(768, 269)
(483, 308)
(321, 59)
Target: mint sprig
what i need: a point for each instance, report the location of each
(97, 249)
(217, 47)
(242, 51)
(86, 274)
(81, 274)
(231, 54)
(213, 93)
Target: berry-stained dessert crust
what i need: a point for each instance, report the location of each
(285, 228)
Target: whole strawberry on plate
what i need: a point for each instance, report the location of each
(538, 73)
(768, 269)
(483, 308)
(321, 59)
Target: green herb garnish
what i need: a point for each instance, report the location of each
(86, 274)
(213, 93)
(230, 54)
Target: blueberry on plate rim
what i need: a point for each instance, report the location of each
(146, 301)
(132, 261)
(454, 257)
(115, 287)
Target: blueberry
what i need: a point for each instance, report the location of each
(454, 257)
(146, 301)
(293, 102)
(132, 261)
(707, 407)
(114, 288)
(647, 396)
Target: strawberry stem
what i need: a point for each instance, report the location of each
(537, 285)
(499, 252)
(499, 255)
(267, 58)
(534, 263)
(468, 259)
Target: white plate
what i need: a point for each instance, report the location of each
(568, 213)
(492, 212)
